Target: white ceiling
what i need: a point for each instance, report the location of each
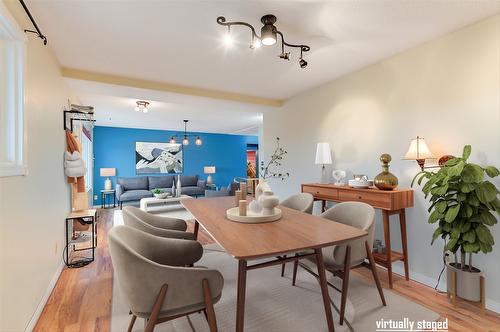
(180, 42)
(114, 106)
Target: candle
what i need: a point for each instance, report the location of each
(243, 207)
(237, 197)
(243, 188)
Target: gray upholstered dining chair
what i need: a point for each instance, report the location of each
(155, 225)
(341, 258)
(301, 202)
(154, 279)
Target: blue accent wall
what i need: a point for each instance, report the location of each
(115, 147)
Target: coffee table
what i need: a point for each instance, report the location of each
(146, 202)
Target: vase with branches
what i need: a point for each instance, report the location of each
(270, 169)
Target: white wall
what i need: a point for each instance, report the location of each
(447, 90)
(33, 207)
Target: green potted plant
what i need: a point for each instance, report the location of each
(463, 203)
(159, 193)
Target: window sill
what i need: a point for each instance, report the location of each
(10, 169)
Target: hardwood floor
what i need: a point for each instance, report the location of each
(81, 300)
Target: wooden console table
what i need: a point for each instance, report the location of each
(390, 202)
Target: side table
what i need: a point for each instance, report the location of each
(104, 196)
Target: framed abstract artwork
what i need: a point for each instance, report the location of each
(158, 158)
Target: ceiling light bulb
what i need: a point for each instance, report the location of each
(137, 109)
(172, 140)
(302, 63)
(145, 110)
(228, 39)
(268, 33)
(257, 43)
(198, 141)
(268, 41)
(185, 141)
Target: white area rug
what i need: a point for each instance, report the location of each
(273, 304)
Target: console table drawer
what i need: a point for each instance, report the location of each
(379, 200)
(316, 191)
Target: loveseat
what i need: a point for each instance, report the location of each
(134, 188)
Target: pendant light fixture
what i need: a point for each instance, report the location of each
(185, 137)
(142, 106)
(268, 37)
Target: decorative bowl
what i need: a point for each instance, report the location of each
(162, 195)
(360, 184)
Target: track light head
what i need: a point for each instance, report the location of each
(302, 63)
(285, 56)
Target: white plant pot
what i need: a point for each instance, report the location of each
(468, 283)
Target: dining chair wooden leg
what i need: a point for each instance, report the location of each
(374, 272)
(132, 322)
(209, 307)
(153, 318)
(295, 266)
(283, 267)
(324, 289)
(345, 283)
(196, 229)
(242, 284)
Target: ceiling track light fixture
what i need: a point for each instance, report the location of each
(142, 106)
(185, 137)
(268, 37)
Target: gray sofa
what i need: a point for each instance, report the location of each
(134, 188)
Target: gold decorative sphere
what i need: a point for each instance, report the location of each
(385, 158)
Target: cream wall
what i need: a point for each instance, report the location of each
(33, 207)
(447, 90)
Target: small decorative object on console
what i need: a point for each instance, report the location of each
(339, 176)
(360, 181)
(386, 180)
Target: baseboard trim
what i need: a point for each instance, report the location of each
(431, 282)
(44, 299)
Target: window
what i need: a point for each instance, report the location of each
(87, 154)
(12, 58)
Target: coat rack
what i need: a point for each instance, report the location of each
(37, 32)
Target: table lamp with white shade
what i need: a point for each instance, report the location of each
(209, 170)
(107, 172)
(323, 154)
(419, 151)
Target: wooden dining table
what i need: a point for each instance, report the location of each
(295, 232)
